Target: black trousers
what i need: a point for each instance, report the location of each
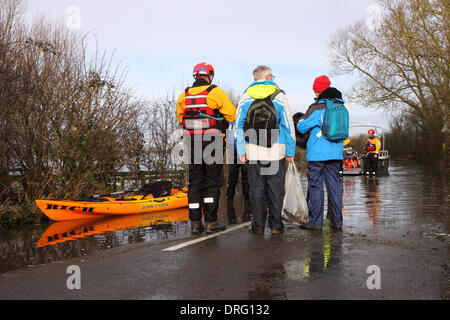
(266, 189)
(205, 181)
(233, 177)
(372, 163)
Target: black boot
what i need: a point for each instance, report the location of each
(230, 212)
(196, 227)
(212, 227)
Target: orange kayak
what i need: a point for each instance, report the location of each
(60, 210)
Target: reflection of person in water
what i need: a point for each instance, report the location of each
(373, 201)
(323, 255)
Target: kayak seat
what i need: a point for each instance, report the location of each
(90, 199)
(126, 199)
(157, 189)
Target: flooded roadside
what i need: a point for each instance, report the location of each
(410, 199)
(62, 240)
(407, 210)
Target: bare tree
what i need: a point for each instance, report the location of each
(68, 121)
(403, 64)
(159, 125)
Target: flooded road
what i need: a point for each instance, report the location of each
(76, 238)
(397, 223)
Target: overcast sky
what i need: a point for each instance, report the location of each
(159, 42)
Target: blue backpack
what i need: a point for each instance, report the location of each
(335, 124)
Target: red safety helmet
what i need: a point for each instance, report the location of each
(371, 131)
(203, 68)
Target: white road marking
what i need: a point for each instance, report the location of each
(188, 243)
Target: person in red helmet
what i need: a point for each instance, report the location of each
(204, 111)
(372, 148)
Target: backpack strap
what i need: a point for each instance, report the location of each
(331, 99)
(211, 87)
(273, 95)
(208, 89)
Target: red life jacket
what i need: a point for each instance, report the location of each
(351, 163)
(198, 117)
(370, 146)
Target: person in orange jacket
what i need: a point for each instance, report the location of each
(372, 148)
(204, 111)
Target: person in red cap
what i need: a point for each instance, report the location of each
(324, 159)
(372, 148)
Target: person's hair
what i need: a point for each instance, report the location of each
(203, 76)
(261, 72)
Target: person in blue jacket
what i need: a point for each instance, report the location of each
(266, 166)
(324, 159)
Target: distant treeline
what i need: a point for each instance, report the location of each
(408, 139)
(400, 61)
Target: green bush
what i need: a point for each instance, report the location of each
(19, 214)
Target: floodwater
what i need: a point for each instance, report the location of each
(387, 206)
(75, 238)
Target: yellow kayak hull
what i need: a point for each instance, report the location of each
(60, 210)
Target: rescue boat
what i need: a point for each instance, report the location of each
(60, 210)
(351, 164)
(357, 163)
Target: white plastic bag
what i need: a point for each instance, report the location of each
(295, 208)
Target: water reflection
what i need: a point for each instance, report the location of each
(269, 284)
(364, 200)
(67, 239)
(321, 257)
(76, 229)
(373, 200)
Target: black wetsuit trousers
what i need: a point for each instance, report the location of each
(205, 181)
(372, 163)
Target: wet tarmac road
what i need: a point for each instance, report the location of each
(399, 224)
